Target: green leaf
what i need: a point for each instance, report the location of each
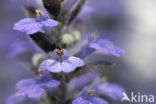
(44, 41)
(53, 7)
(75, 11)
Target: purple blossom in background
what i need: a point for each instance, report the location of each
(93, 81)
(105, 46)
(94, 43)
(85, 98)
(21, 100)
(33, 25)
(79, 82)
(86, 10)
(61, 63)
(112, 90)
(20, 47)
(85, 51)
(35, 87)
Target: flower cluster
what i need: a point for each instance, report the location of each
(62, 76)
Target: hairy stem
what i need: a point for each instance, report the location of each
(63, 89)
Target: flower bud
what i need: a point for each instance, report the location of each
(67, 39)
(76, 35)
(37, 59)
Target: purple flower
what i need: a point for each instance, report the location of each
(93, 81)
(105, 46)
(104, 88)
(35, 87)
(21, 100)
(85, 51)
(61, 63)
(33, 25)
(78, 83)
(112, 90)
(87, 97)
